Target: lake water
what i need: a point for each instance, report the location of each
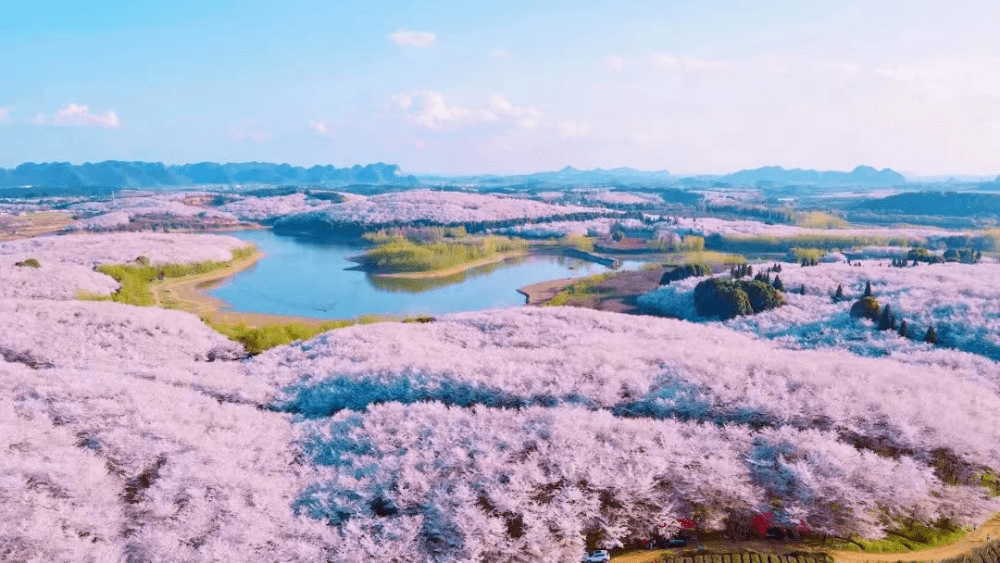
(306, 278)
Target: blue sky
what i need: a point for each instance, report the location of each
(501, 87)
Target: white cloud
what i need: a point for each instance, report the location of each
(249, 134)
(686, 63)
(614, 62)
(413, 38)
(499, 55)
(4, 113)
(320, 127)
(38, 119)
(572, 130)
(78, 115)
(430, 110)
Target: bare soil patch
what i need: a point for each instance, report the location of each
(14, 227)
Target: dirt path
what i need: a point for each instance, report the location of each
(974, 539)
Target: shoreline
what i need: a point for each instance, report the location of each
(541, 292)
(188, 294)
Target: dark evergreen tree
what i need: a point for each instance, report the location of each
(802, 290)
(904, 331)
(840, 293)
(931, 336)
(886, 321)
(868, 289)
(778, 284)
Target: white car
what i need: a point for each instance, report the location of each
(597, 556)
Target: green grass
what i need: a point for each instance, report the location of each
(911, 537)
(585, 287)
(256, 340)
(259, 339)
(135, 278)
(402, 255)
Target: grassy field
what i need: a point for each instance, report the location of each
(912, 537)
(259, 339)
(136, 278)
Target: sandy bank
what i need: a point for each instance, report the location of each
(188, 294)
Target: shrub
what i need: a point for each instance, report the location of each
(142, 260)
(866, 308)
(726, 299)
(763, 297)
(923, 255)
(29, 263)
(684, 272)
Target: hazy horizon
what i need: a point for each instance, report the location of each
(446, 88)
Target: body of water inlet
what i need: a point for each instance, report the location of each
(309, 278)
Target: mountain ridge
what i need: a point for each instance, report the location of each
(138, 174)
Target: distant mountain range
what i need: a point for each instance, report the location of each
(120, 174)
(568, 175)
(862, 175)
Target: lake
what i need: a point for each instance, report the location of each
(308, 278)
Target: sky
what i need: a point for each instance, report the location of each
(517, 86)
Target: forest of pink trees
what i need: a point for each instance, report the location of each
(504, 435)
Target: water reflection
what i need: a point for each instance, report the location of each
(420, 285)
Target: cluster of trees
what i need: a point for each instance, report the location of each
(320, 224)
(868, 307)
(424, 208)
(963, 255)
(686, 271)
(670, 242)
(761, 213)
(402, 255)
(729, 298)
(827, 242)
